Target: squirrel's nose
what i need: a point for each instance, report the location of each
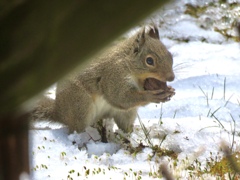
(170, 76)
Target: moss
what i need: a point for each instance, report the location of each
(194, 11)
(223, 20)
(218, 167)
(222, 167)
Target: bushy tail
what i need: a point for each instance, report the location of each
(44, 110)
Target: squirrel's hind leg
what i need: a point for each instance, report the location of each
(125, 119)
(73, 107)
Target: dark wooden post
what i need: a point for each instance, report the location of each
(13, 146)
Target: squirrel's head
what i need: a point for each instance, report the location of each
(151, 58)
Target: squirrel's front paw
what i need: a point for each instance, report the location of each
(170, 92)
(158, 91)
(158, 96)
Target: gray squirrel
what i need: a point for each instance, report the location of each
(133, 73)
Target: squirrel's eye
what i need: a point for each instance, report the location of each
(150, 61)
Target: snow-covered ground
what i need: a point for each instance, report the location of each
(204, 112)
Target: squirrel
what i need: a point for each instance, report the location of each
(132, 73)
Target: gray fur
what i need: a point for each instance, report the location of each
(112, 86)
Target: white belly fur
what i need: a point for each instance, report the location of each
(100, 108)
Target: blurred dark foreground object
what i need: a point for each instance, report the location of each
(41, 41)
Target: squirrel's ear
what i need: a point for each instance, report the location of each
(153, 32)
(140, 40)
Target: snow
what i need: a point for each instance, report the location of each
(186, 30)
(202, 114)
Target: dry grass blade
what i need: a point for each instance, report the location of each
(146, 132)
